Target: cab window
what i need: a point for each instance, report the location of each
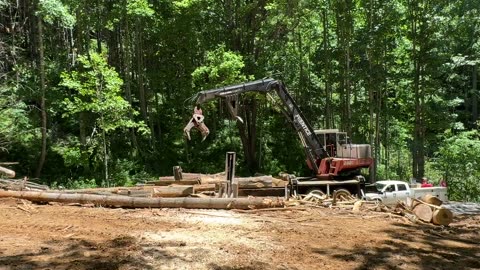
(401, 187)
(390, 188)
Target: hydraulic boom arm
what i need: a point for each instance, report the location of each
(314, 149)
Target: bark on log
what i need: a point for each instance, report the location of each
(173, 191)
(423, 212)
(262, 192)
(9, 173)
(133, 202)
(432, 200)
(442, 216)
(106, 190)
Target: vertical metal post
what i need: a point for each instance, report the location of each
(230, 174)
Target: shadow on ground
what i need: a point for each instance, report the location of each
(120, 253)
(411, 246)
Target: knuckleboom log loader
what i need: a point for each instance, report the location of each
(334, 161)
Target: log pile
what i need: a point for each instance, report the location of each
(21, 184)
(7, 172)
(428, 209)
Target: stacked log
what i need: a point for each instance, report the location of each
(20, 184)
(173, 191)
(7, 172)
(429, 209)
(166, 181)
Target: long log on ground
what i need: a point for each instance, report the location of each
(135, 202)
(104, 190)
(9, 173)
(173, 191)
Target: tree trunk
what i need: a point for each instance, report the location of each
(326, 58)
(248, 132)
(417, 138)
(141, 88)
(372, 90)
(43, 111)
(132, 202)
(474, 96)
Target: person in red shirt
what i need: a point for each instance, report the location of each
(425, 183)
(443, 183)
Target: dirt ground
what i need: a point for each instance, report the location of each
(78, 237)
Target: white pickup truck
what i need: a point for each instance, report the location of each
(389, 192)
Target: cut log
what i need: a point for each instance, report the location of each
(442, 216)
(187, 182)
(135, 193)
(173, 191)
(204, 187)
(254, 182)
(433, 206)
(132, 202)
(423, 212)
(107, 190)
(7, 172)
(432, 200)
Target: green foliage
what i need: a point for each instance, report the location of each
(55, 10)
(458, 160)
(346, 63)
(140, 8)
(97, 90)
(15, 126)
(222, 67)
(76, 184)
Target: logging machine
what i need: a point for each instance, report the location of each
(334, 161)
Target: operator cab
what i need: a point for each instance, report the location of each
(339, 145)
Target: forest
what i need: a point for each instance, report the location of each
(97, 93)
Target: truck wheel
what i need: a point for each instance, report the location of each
(342, 195)
(316, 193)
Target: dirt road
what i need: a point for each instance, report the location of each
(74, 237)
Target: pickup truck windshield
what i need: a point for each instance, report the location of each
(379, 186)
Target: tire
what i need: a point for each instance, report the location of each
(342, 195)
(317, 193)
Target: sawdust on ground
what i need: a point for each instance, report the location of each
(56, 236)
